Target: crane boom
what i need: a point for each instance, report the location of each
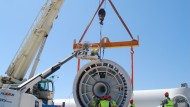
(35, 79)
(34, 39)
(37, 91)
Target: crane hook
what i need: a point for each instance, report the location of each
(101, 14)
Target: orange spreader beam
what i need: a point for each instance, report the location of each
(105, 43)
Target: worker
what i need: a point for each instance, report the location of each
(167, 102)
(95, 101)
(104, 101)
(112, 102)
(132, 103)
(94, 52)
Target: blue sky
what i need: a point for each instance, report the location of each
(161, 61)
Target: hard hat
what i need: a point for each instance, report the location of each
(166, 94)
(131, 100)
(106, 97)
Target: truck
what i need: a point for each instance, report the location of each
(37, 91)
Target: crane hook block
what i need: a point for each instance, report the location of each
(101, 14)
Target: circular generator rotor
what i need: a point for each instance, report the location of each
(100, 78)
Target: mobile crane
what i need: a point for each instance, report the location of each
(37, 91)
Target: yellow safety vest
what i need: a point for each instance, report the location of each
(170, 103)
(113, 103)
(103, 103)
(132, 105)
(93, 103)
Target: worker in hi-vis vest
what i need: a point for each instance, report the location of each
(106, 101)
(167, 102)
(132, 103)
(94, 101)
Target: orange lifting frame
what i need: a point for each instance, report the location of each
(105, 43)
(109, 44)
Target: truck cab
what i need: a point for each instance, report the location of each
(44, 90)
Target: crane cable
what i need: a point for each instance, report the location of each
(101, 51)
(100, 4)
(102, 14)
(132, 51)
(100, 41)
(101, 38)
(132, 67)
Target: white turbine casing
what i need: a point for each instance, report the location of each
(153, 98)
(102, 77)
(148, 98)
(68, 102)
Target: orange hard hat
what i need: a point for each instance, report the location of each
(131, 100)
(166, 93)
